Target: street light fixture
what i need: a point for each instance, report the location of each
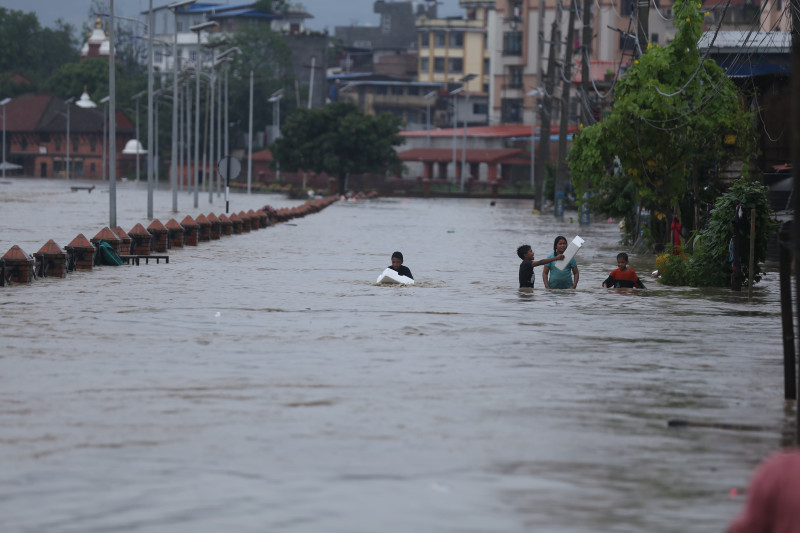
(197, 28)
(534, 93)
(175, 98)
(276, 127)
(3, 104)
(454, 94)
(465, 80)
(428, 98)
(68, 103)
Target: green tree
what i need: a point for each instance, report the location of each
(710, 265)
(29, 49)
(673, 113)
(339, 140)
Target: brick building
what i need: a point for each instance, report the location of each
(36, 135)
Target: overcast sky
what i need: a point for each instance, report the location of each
(327, 13)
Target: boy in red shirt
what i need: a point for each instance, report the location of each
(623, 277)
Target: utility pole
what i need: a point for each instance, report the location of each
(586, 54)
(795, 129)
(547, 110)
(642, 24)
(566, 84)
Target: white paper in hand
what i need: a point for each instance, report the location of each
(569, 253)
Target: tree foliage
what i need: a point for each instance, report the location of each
(339, 140)
(31, 50)
(672, 113)
(710, 265)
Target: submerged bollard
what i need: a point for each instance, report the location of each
(263, 219)
(255, 222)
(174, 233)
(204, 228)
(124, 241)
(190, 228)
(18, 265)
(159, 233)
(80, 254)
(225, 225)
(110, 237)
(52, 260)
(245, 222)
(237, 223)
(141, 240)
(214, 229)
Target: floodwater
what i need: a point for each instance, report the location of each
(263, 382)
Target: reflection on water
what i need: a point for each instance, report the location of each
(264, 382)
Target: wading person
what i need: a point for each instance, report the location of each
(557, 278)
(525, 252)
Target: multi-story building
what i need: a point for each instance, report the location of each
(455, 51)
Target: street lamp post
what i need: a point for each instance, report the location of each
(250, 133)
(465, 80)
(175, 98)
(533, 93)
(68, 103)
(276, 121)
(104, 101)
(454, 94)
(428, 98)
(3, 104)
(150, 144)
(198, 69)
(136, 97)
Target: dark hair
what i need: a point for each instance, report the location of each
(522, 250)
(555, 242)
(398, 255)
(622, 255)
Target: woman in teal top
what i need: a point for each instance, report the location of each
(556, 278)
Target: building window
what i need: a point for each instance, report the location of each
(381, 89)
(515, 77)
(58, 145)
(423, 39)
(486, 66)
(512, 43)
(386, 23)
(456, 65)
(158, 56)
(397, 90)
(511, 110)
(480, 109)
(193, 56)
(92, 166)
(413, 90)
(456, 40)
(439, 39)
(423, 64)
(24, 144)
(93, 143)
(438, 64)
